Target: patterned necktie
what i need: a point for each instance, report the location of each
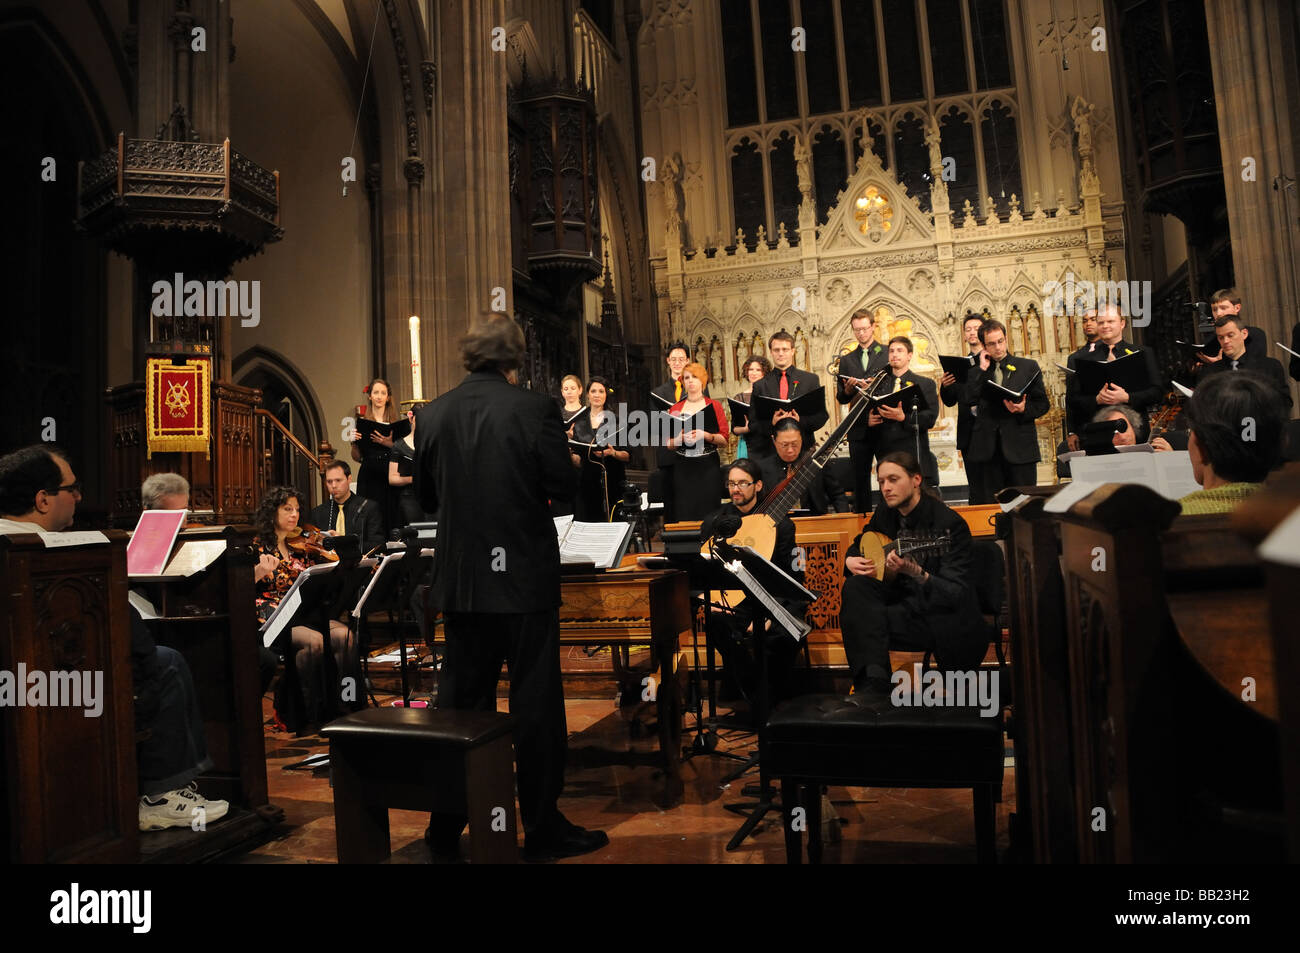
(898, 385)
(997, 372)
(785, 387)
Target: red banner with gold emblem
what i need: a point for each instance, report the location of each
(177, 416)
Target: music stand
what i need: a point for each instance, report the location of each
(765, 583)
(393, 582)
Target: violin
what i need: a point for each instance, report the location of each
(307, 540)
(1164, 418)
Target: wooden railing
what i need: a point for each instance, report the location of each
(286, 460)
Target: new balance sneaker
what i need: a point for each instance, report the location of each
(179, 808)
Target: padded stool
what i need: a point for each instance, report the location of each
(825, 739)
(422, 759)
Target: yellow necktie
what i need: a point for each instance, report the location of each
(898, 384)
(677, 389)
(338, 524)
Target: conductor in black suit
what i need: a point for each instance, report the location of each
(823, 494)
(788, 382)
(860, 364)
(1004, 439)
(489, 457)
(952, 392)
(897, 428)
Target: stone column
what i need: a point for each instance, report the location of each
(470, 182)
(1256, 94)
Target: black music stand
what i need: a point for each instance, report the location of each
(393, 583)
(766, 583)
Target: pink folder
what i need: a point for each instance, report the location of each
(151, 543)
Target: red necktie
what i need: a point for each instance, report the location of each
(785, 387)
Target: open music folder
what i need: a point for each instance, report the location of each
(600, 543)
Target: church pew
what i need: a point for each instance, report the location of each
(1173, 759)
(70, 788)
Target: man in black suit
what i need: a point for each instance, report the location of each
(930, 604)
(950, 392)
(1071, 386)
(1110, 344)
(893, 428)
(1237, 357)
(784, 381)
(823, 494)
(1004, 439)
(489, 457)
(345, 513)
(1223, 303)
(867, 359)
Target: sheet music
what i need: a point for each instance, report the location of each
(290, 603)
(599, 543)
(1070, 494)
(1010, 505)
(1169, 474)
(191, 556)
(142, 605)
(54, 540)
(1283, 544)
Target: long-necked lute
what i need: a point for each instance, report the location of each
(758, 527)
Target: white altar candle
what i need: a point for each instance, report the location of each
(417, 385)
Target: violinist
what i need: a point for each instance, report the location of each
(346, 512)
(281, 555)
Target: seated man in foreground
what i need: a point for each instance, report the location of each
(920, 603)
(1235, 426)
(39, 494)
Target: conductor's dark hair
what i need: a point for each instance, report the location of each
(493, 344)
(264, 518)
(786, 423)
(341, 464)
(750, 468)
(992, 325)
(1220, 412)
(678, 346)
(26, 472)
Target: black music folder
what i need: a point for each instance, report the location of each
(957, 365)
(1129, 372)
(739, 412)
(1000, 392)
(397, 430)
(906, 394)
(805, 404)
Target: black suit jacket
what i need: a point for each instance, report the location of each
(489, 456)
(1269, 368)
(824, 493)
(1256, 343)
(995, 427)
(890, 435)
(361, 517)
(853, 365)
(955, 393)
(1294, 366)
(1081, 407)
(760, 431)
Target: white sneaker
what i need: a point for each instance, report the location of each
(179, 808)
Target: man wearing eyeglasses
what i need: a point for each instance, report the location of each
(39, 494)
(38, 491)
(728, 629)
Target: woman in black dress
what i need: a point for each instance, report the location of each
(697, 477)
(600, 485)
(571, 408)
(372, 454)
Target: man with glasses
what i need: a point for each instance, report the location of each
(39, 494)
(729, 628)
